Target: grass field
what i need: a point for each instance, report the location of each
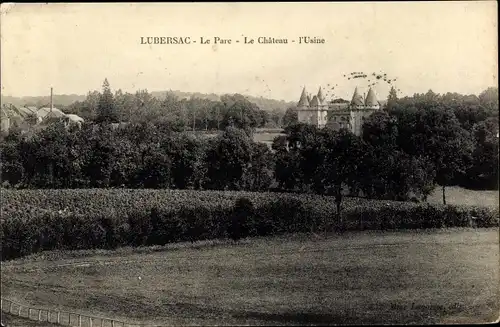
(266, 137)
(461, 196)
(262, 135)
(433, 276)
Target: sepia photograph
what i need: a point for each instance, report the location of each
(249, 164)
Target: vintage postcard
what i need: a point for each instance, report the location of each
(178, 164)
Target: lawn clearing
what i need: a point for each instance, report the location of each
(461, 196)
(402, 277)
(266, 137)
(261, 135)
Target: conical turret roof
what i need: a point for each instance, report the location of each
(303, 99)
(321, 98)
(314, 101)
(309, 98)
(357, 99)
(371, 99)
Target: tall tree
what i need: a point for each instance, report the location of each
(185, 152)
(303, 141)
(240, 113)
(259, 175)
(341, 153)
(435, 133)
(389, 172)
(53, 166)
(277, 117)
(287, 167)
(291, 117)
(11, 165)
(381, 129)
(392, 98)
(483, 173)
(227, 160)
(106, 110)
(489, 100)
(125, 102)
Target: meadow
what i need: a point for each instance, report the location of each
(460, 196)
(267, 137)
(405, 277)
(261, 135)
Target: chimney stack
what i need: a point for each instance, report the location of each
(51, 101)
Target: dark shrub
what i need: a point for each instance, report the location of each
(239, 225)
(110, 227)
(140, 228)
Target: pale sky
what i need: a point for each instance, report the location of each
(444, 46)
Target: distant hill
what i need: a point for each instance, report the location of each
(61, 100)
(67, 99)
(263, 103)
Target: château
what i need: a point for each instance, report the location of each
(319, 112)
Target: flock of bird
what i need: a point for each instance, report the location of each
(372, 79)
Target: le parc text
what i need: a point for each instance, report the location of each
(219, 40)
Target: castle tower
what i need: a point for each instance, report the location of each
(314, 102)
(357, 100)
(371, 101)
(356, 112)
(323, 110)
(361, 109)
(315, 111)
(304, 112)
(320, 96)
(303, 102)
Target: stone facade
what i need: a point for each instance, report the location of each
(319, 112)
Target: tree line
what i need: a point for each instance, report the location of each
(405, 150)
(401, 154)
(193, 113)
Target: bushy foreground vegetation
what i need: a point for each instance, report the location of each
(38, 220)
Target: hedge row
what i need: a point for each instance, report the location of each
(162, 223)
(31, 203)
(157, 226)
(27, 203)
(421, 217)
